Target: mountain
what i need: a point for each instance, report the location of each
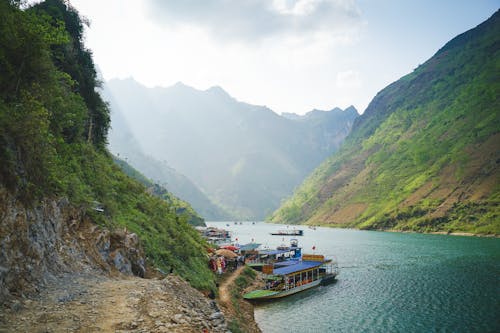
(180, 207)
(425, 154)
(123, 144)
(245, 158)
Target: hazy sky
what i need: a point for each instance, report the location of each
(290, 55)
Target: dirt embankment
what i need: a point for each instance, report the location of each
(238, 312)
(92, 303)
(59, 272)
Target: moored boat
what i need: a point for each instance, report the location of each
(259, 258)
(293, 276)
(293, 232)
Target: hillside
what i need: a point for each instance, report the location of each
(64, 204)
(123, 144)
(245, 158)
(425, 154)
(181, 208)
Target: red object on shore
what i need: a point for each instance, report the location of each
(230, 247)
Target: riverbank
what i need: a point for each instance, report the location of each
(450, 233)
(238, 312)
(468, 234)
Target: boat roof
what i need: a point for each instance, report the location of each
(286, 263)
(299, 266)
(273, 252)
(249, 246)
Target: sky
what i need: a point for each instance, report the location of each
(289, 55)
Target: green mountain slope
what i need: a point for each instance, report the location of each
(53, 129)
(181, 208)
(425, 154)
(244, 157)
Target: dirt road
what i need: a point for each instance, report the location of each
(102, 304)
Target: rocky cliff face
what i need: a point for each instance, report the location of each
(41, 242)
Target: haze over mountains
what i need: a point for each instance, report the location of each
(425, 154)
(123, 143)
(244, 158)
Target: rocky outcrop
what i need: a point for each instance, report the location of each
(40, 242)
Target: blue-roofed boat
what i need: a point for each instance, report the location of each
(293, 276)
(259, 258)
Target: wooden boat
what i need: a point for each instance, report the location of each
(293, 276)
(293, 232)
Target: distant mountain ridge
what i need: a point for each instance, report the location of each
(425, 154)
(124, 145)
(245, 158)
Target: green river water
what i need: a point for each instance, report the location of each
(389, 282)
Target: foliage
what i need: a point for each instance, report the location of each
(181, 207)
(240, 283)
(53, 127)
(426, 145)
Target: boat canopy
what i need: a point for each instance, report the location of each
(299, 266)
(249, 246)
(273, 252)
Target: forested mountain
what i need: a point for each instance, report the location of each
(245, 158)
(424, 155)
(55, 173)
(123, 144)
(180, 207)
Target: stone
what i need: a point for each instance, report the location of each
(216, 315)
(16, 306)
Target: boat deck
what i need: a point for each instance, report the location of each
(259, 294)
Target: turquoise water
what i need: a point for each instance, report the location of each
(389, 282)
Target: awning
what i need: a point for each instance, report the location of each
(300, 266)
(226, 253)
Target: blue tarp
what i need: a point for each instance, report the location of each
(300, 266)
(286, 263)
(249, 246)
(273, 252)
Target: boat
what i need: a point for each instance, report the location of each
(257, 259)
(215, 235)
(292, 276)
(293, 232)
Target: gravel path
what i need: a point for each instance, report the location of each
(79, 303)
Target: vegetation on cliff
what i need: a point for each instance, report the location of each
(425, 154)
(53, 128)
(182, 208)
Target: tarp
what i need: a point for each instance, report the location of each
(226, 253)
(300, 266)
(249, 246)
(230, 247)
(273, 252)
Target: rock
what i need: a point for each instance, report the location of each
(16, 306)
(216, 315)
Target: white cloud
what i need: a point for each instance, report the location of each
(257, 19)
(348, 79)
(291, 55)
